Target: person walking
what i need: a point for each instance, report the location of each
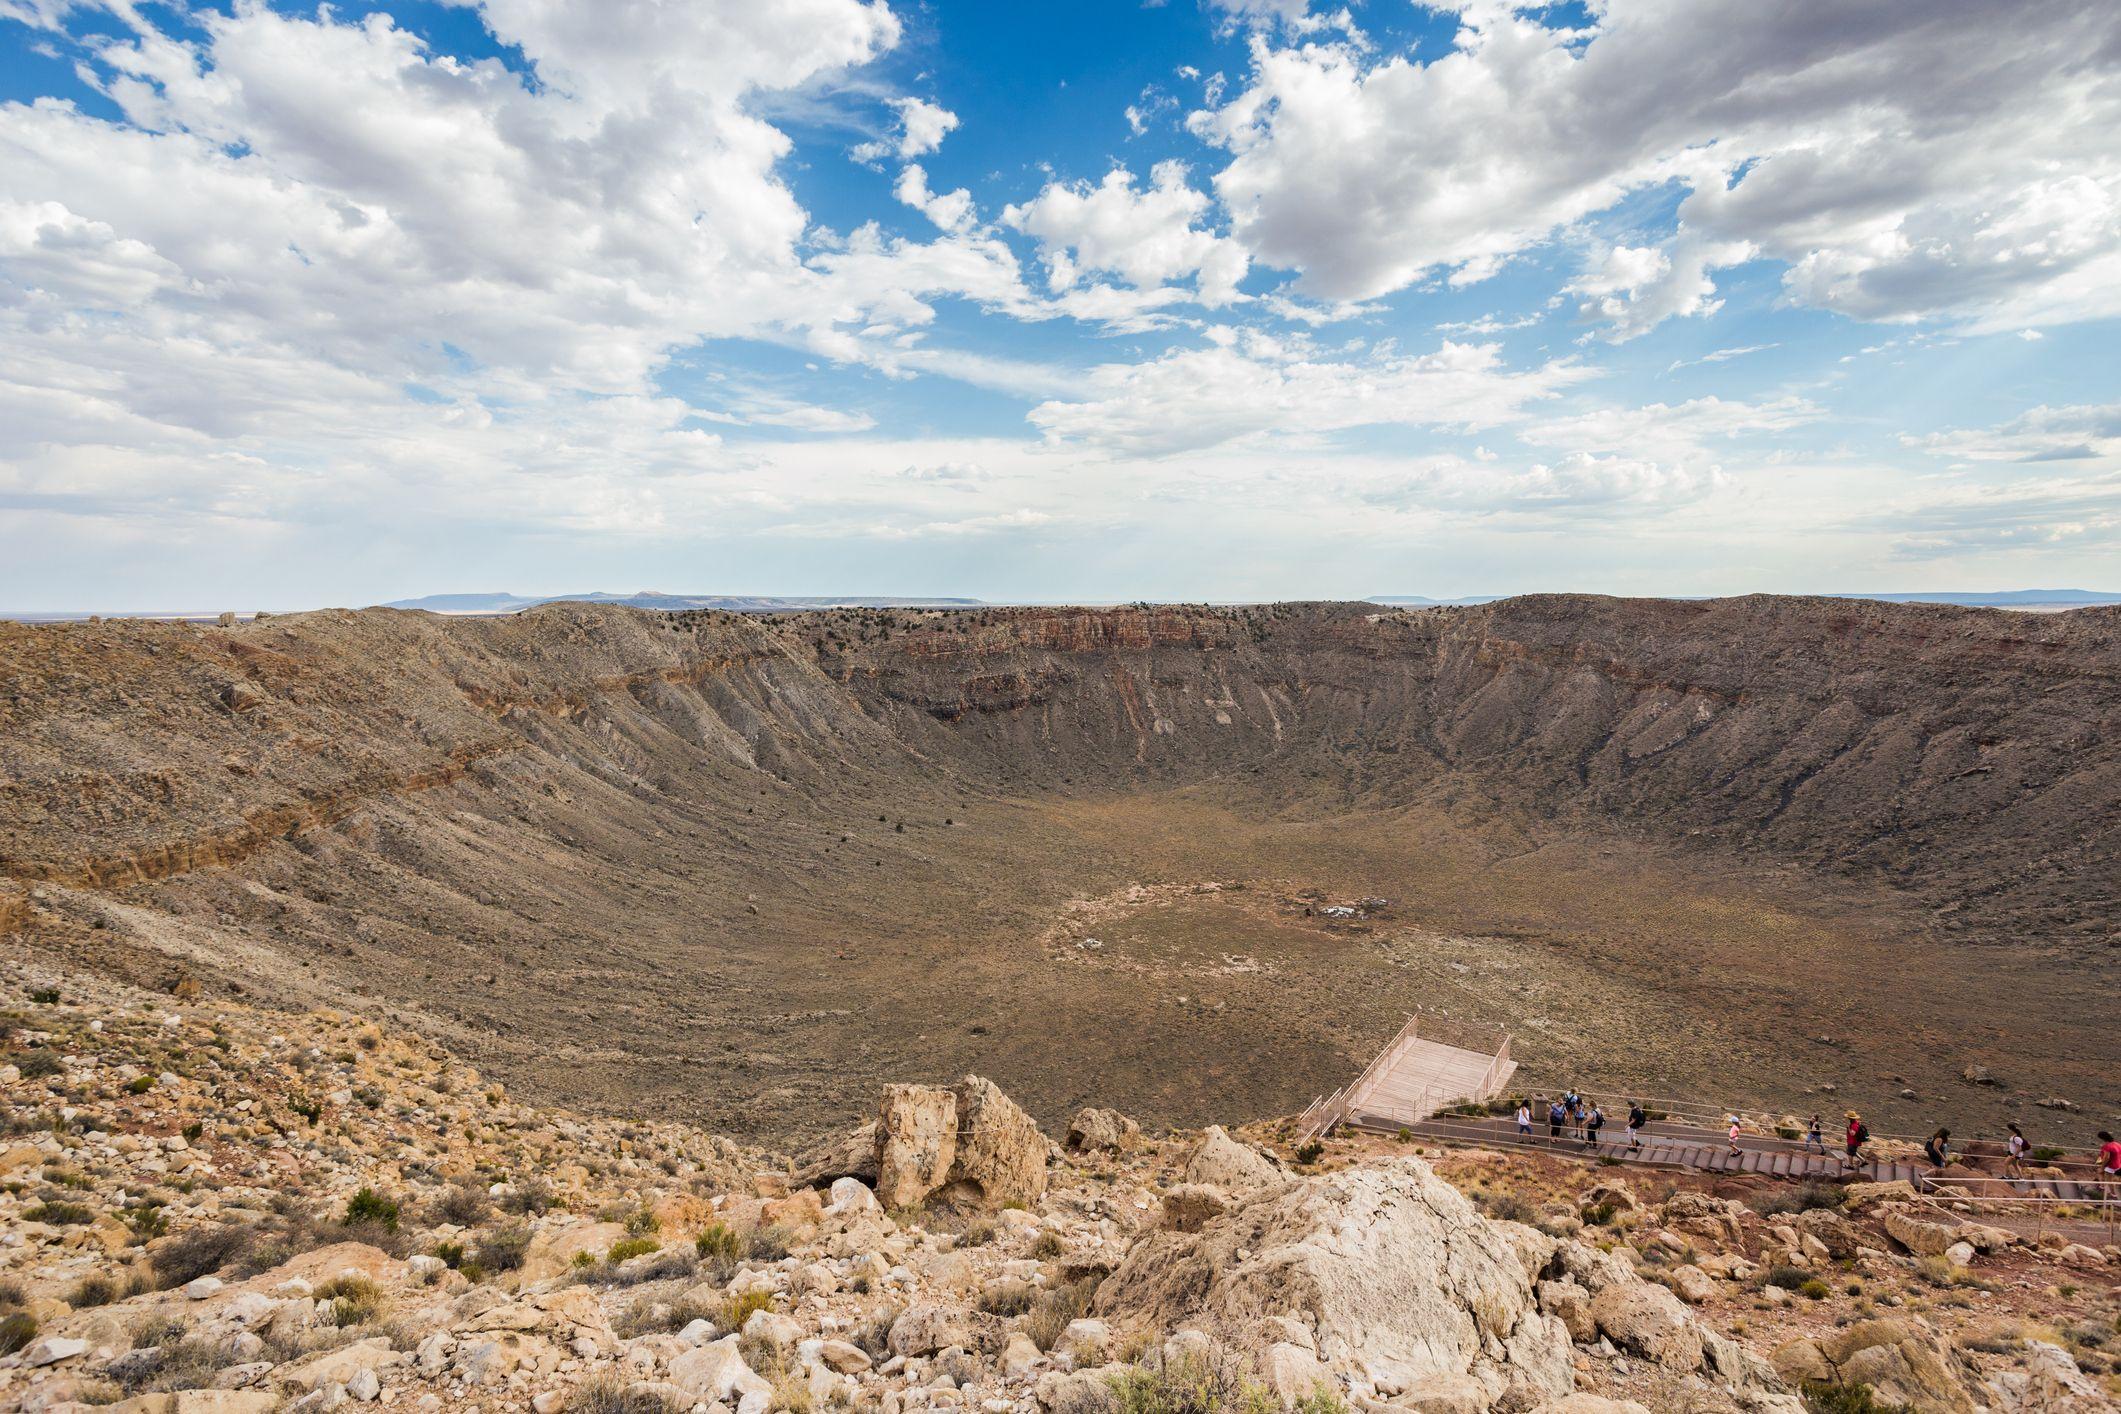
(2109, 1161)
(1557, 1115)
(1938, 1148)
(1524, 1120)
(1573, 1102)
(1859, 1134)
(1814, 1137)
(1592, 1123)
(2014, 1151)
(1636, 1120)
(1736, 1128)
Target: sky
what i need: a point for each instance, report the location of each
(1199, 299)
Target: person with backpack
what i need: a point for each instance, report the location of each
(1557, 1115)
(1573, 1103)
(1593, 1121)
(1859, 1134)
(2109, 1156)
(1636, 1120)
(2014, 1151)
(1938, 1148)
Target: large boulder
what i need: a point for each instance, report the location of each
(2050, 1383)
(1905, 1365)
(851, 1156)
(1097, 1130)
(1221, 1162)
(1001, 1155)
(1399, 1283)
(971, 1140)
(916, 1141)
(1649, 1320)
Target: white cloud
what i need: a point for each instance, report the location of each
(1145, 236)
(922, 126)
(2078, 432)
(1684, 432)
(1259, 387)
(952, 211)
(1900, 162)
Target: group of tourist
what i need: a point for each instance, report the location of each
(1572, 1116)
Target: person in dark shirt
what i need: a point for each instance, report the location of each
(1938, 1148)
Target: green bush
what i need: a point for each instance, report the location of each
(140, 1085)
(200, 1252)
(355, 1300)
(737, 1308)
(60, 1214)
(502, 1251)
(17, 1329)
(627, 1248)
(610, 1394)
(1822, 1398)
(369, 1206)
(1309, 1151)
(641, 1222)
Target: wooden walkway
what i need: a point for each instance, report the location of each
(1670, 1145)
(1432, 1063)
(1664, 1145)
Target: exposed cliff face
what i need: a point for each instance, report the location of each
(1968, 755)
(598, 844)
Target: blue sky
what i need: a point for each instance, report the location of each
(1231, 299)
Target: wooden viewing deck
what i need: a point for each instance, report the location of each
(1433, 1062)
(1667, 1144)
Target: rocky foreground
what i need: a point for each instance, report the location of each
(217, 1210)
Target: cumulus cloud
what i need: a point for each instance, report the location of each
(922, 126)
(1146, 236)
(1896, 168)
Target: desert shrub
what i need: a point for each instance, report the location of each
(1309, 1151)
(12, 1294)
(139, 1085)
(627, 1248)
(1508, 1207)
(977, 1233)
(1597, 1214)
(17, 1329)
(355, 1300)
(186, 1363)
(874, 1334)
(1798, 1198)
(461, 1207)
(1822, 1398)
(528, 1199)
(147, 1220)
(44, 996)
(1008, 1298)
(738, 1307)
(1046, 1246)
(199, 1252)
(1052, 1312)
(2041, 1154)
(1813, 1289)
(60, 1214)
(610, 1394)
(309, 1109)
(193, 1132)
(641, 1222)
(502, 1250)
(450, 1254)
(39, 1064)
(1195, 1385)
(718, 1248)
(1782, 1274)
(768, 1243)
(369, 1206)
(649, 1316)
(95, 1290)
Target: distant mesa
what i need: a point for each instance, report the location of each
(653, 599)
(2042, 600)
